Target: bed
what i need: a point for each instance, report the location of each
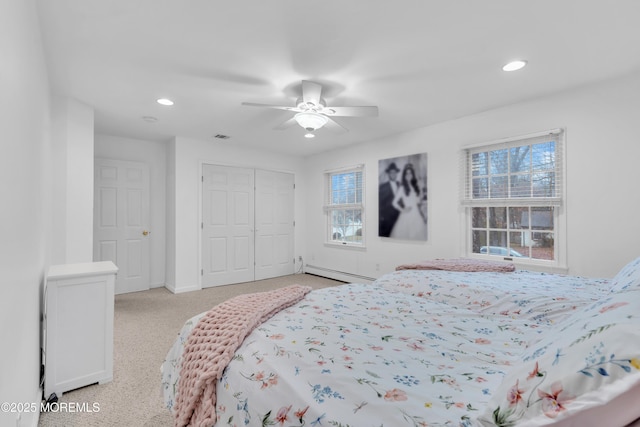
(418, 347)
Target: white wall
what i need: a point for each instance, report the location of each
(603, 148)
(25, 171)
(170, 209)
(153, 154)
(185, 158)
(72, 181)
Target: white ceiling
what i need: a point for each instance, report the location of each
(420, 61)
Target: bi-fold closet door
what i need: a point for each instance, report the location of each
(247, 224)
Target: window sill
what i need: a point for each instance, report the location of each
(345, 245)
(526, 264)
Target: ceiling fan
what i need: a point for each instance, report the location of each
(312, 111)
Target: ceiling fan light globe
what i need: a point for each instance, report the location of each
(311, 121)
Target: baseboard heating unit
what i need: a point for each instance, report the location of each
(337, 275)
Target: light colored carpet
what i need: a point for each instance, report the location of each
(145, 326)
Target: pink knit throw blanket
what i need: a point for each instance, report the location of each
(459, 264)
(212, 343)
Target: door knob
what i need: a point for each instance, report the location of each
(145, 233)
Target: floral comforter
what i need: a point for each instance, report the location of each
(414, 348)
(541, 297)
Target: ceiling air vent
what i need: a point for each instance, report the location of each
(221, 136)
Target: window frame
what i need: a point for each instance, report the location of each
(557, 201)
(330, 207)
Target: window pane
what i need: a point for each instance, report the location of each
(479, 164)
(518, 245)
(498, 238)
(498, 217)
(520, 159)
(337, 225)
(480, 188)
(336, 190)
(543, 246)
(479, 218)
(516, 216)
(346, 225)
(499, 161)
(479, 240)
(337, 217)
(544, 184)
(354, 234)
(346, 188)
(353, 220)
(499, 187)
(521, 185)
(544, 156)
(542, 218)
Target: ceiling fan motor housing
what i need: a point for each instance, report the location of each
(312, 112)
(311, 106)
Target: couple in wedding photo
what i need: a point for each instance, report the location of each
(402, 197)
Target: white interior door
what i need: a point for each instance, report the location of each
(274, 224)
(227, 225)
(121, 218)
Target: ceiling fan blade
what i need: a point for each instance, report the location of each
(287, 124)
(278, 107)
(311, 92)
(335, 127)
(351, 111)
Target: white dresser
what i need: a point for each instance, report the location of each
(78, 326)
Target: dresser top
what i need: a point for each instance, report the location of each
(64, 271)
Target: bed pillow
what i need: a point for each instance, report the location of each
(589, 364)
(628, 278)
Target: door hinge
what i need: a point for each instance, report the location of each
(202, 178)
(202, 225)
(294, 186)
(294, 223)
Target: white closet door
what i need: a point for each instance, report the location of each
(227, 225)
(121, 218)
(274, 224)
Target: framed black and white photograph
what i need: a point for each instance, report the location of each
(402, 197)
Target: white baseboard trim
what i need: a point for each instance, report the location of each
(31, 418)
(180, 290)
(337, 275)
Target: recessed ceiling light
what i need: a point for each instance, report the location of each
(514, 65)
(309, 135)
(164, 101)
(150, 119)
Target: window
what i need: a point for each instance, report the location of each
(345, 206)
(513, 197)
